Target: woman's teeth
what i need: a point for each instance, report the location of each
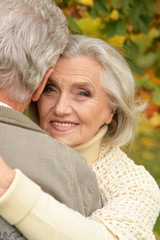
(64, 124)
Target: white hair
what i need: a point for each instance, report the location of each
(117, 80)
(33, 33)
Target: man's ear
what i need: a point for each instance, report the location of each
(36, 95)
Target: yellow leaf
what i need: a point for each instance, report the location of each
(144, 40)
(90, 26)
(117, 40)
(155, 119)
(86, 2)
(114, 15)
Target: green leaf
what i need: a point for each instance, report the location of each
(126, 5)
(115, 28)
(117, 3)
(131, 50)
(121, 28)
(110, 29)
(130, 46)
(136, 12)
(94, 12)
(134, 66)
(141, 15)
(100, 7)
(73, 25)
(146, 60)
(142, 25)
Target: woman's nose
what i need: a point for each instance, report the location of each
(63, 106)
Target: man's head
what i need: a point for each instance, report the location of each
(32, 36)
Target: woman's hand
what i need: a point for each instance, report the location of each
(7, 175)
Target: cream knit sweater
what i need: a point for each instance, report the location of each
(131, 196)
(131, 201)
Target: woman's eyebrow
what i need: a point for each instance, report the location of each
(82, 84)
(51, 80)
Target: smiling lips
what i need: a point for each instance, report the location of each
(62, 126)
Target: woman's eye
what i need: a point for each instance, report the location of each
(49, 88)
(85, 93)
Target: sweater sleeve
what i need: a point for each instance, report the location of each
(39, 216)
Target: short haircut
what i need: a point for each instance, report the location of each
(33, 33)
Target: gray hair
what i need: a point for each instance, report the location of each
(33, 33)
(117, 80)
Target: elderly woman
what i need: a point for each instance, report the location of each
(89, 104)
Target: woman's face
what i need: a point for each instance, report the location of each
(74, 105)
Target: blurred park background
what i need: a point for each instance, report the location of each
(133, 27)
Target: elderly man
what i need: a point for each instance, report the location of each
(32, 36)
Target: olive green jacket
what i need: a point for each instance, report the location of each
(58, 169)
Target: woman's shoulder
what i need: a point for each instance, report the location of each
(115, 164)
(114, 156)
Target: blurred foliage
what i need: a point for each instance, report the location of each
(146, 151)
(133, 27)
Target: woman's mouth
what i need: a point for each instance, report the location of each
(62, 126)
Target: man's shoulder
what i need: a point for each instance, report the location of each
(15, 118)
